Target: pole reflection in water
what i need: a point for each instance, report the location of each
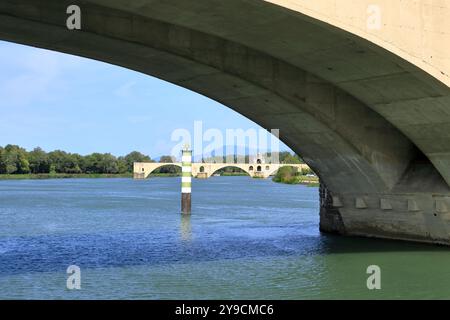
(186, 228)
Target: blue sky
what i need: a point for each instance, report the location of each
(59, 101)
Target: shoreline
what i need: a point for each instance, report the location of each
(300, 180)
(45, 176)
(306, 181)
(48, 176)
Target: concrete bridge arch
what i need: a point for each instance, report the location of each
(367, 111)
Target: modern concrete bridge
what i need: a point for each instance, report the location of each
(205, 170)
(359, 89)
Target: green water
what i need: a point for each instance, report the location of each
(246, 239)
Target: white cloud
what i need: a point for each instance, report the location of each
(126, 90)
(40, 75)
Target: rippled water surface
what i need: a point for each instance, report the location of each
(246, 239)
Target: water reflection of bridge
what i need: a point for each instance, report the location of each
(205, 170)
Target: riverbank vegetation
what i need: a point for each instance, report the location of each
(17, 160)
(291, 175)
(38, 176)
(18, 163)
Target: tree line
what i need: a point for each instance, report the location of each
(17, 160)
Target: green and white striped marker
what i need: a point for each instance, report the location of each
(186, 180)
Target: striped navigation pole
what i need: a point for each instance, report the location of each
(186, 180)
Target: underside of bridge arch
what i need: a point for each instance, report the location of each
(352, 110)
(242, 168)
(163, 165)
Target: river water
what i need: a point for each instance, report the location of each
(246, 239)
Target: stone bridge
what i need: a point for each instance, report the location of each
(360, 89)
(205, 170)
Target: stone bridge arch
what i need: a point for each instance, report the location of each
(243, 167)
(371, 121)
(143, 170)
(210, 168)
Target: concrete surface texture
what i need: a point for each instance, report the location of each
(359, 89)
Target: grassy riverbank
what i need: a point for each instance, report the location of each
(61, 176)
(309, 181)
(283, 178)
(75, 176)
(289, 175)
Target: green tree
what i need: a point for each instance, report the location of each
(2, 165)
(56, 159)
(168, 169)
(133, 157)
(14, 160)
(63, 162)
(23, 166)
(9, 159)
(92, 163)
(72, 163)
(286, 175)
(39, 161)
(292, 159)
(122, 165)
(109, 164)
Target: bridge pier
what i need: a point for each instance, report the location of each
(139, 176)
(202, 175)
(330, 217)
(410, 216)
